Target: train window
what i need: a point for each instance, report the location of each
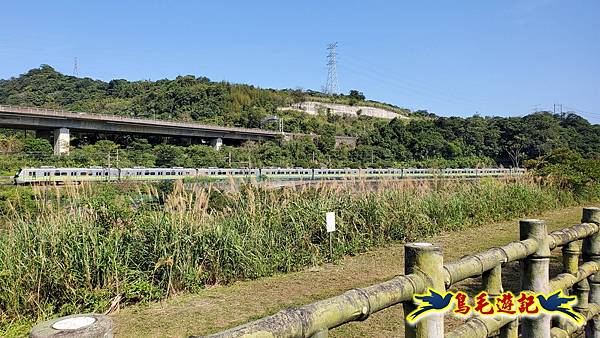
(168, 173)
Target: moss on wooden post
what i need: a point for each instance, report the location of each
(492, 281)
(534, 274)
(570, 259)
(425, 259)
(324, 333)
(492, 284)
(591, 252)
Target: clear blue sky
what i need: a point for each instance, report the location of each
(450, 57)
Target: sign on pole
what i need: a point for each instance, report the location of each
(330, 216)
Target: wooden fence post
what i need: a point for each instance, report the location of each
(425, 259)
(570, 261)
(591, 252)
(535, 274)
(492, 284)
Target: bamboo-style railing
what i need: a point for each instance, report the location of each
(424, 268)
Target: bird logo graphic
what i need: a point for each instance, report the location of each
(558, 302)
(430, 302)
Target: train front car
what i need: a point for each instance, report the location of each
(35, 175)
(45, 175)
(21, 177)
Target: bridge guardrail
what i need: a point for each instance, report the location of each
(424, 269)
(85, 115)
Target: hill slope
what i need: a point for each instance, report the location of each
(186, 98)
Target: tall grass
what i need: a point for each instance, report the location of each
(72, 249)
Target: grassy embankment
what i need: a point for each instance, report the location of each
(217, 308)
(74, 249)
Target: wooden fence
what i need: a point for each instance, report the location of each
(424, 268)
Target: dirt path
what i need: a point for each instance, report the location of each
(221, 307)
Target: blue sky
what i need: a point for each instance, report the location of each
(450, 57)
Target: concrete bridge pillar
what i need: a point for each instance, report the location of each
(216, 143)
(62, 141)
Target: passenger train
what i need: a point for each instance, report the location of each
(99, 174)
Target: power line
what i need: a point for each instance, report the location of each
(581, 111)
(395, 83)
(332, 86)
(414, 84)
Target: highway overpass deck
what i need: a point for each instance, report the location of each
(31, 117)
(62, 122)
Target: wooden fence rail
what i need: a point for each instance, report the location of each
(424, 268)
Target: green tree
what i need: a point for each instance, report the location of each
(355, 97)
(170, 156)
(140, 153)
(37, 147)
(204, 156)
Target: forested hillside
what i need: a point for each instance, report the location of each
(186, 98)
(425, 140)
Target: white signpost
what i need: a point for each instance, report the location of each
(330, 225)
(330, 217)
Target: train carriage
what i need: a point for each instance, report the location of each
(65, 175)
(144, 174)
(221, 174)
(287, 173)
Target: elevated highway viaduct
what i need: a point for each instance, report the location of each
(61, 123)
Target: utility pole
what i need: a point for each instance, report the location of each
(332, 86)
(108, 170)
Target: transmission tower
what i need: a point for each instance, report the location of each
(332, 86)
(76, 67)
